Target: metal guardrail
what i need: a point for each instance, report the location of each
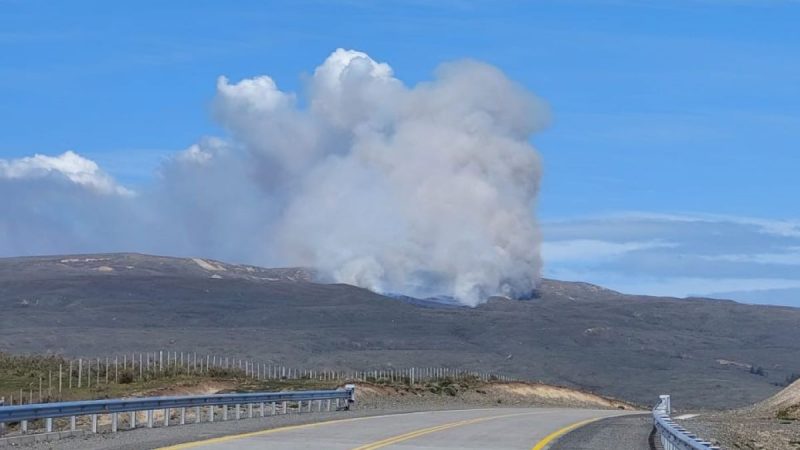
(202, 404)
(674, 436)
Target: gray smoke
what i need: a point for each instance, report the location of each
(424, 191)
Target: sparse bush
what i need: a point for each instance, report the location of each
(791, 413)
(221, 372)
(445, 386)
(126, 377)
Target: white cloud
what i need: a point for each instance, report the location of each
(790, 257)
(69, 165)
(195, 154)
(259, 94)
(675, 254)
(341, 64)
(784, 227)
(60, 204)
(697, 286)
(582, 250)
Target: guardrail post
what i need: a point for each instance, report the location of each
(149, 418)
(328, 408)
(48, 424)
(166, 417)
(183, 416)
(274, 408)
(237, 411)
(211, 413)
(310, 404)
(114, 422)
(299, 406)
(72, 423)
(94, 423)
(133, 419)
(665, 400)
(262, 409)
(284, 407)
(672, 435)
(249, 410)
(224, 412)
(196, 414)
(24, 426)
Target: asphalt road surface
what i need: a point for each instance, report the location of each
(508, 428)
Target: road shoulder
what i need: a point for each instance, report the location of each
(630, 432)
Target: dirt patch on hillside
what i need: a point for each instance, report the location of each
(201, 388)
(553, 394)
(367, 390)
(486, 394)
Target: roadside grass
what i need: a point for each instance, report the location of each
(34, 379)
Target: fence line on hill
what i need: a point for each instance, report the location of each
(79, 373)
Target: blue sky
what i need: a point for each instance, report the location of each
(676, 122)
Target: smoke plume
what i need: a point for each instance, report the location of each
(424, 191)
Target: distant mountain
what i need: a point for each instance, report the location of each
(131, 265)
(574, 334)
(786, 296)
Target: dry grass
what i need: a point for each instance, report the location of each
(22, 375)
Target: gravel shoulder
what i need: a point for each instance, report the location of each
(746, 430)
(620, 433)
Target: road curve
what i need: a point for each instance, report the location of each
(498, 428)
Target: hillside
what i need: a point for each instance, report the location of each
(770, 424)
(575, 334)
(785, 404)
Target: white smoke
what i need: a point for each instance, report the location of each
(425, 191)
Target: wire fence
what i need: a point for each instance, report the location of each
(52, 378)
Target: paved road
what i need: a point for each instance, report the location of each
(508, 428)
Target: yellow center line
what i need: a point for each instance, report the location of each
(384, 442)
(257, 433)
(556, 434)
(234, 437)
(424, 431)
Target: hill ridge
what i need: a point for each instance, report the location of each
(572, 334)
